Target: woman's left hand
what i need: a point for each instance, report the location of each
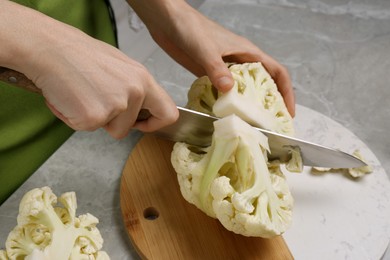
(202, 46)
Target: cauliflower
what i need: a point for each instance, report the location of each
(295, 164)
(254, 98)
(353, 172)
(46, 231)
(3, 255)
(230, 180)
(359, 171)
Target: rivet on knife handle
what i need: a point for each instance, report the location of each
(17, 79)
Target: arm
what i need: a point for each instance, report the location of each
(181, 31)
(86, 83)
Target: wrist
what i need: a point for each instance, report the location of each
(155, 13)
(15, 33)
(26, 35)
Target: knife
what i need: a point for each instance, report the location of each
(196, 128)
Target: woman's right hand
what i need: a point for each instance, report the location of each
(89, 84)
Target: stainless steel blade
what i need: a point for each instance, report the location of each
(196, 128)
(191, 127)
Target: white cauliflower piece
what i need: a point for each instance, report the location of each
(3, 255)
(254, 90)
(46, 231)
(353, 172)
(295, 164)
(230, 180)
(185, 158)
(359, 171)
(202, 96)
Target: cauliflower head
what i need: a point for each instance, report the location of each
(231, 181)
(254, 90)
(47, 231)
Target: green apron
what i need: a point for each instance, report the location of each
(29, 132)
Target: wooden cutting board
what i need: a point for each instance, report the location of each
(162, 225)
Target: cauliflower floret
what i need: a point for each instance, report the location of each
(359, 171)
(3, 255)
(202, 96)
(295, 164)
(46, 231)
(353, 172)
(184, 160)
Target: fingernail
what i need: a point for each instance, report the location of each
(224, 83)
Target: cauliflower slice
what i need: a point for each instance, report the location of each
(230, 180)
(254, 98)
(295, 164)
(46, 231)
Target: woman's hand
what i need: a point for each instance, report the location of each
(88, 84)
(203, 47)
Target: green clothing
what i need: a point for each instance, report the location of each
(29, 132)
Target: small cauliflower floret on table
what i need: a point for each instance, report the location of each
(230, 180)
(353, 172)
(254, 98)
(359, 171)
(45, 231)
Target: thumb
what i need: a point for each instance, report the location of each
(219, 75)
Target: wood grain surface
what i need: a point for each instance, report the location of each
(162, 225)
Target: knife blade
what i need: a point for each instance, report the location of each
(196, 128)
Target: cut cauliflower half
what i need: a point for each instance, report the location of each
(46, 231)
(230, 180)
(254, 90)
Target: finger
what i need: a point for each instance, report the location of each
(162, 109)
(120, 125)
(154, 123)
(91, 120)
(283, 81)
(218, 73)
(160, 118)
(59, 115)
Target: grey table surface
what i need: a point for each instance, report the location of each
(338, 56)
